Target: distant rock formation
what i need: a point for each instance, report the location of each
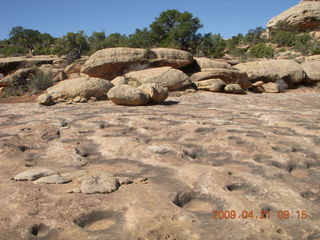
(304, 16)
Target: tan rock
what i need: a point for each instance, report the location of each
(119, 81)
(204, 62)
(273, 70)
(271, 87)
(234, 88)
(128, 95)
(168, 77)
(82, 87)
(73, 68)
(45, 99)
(170, 57)
(213, 85)
(112, 62)
(227, 75)
(312, 70)
(303, 16)
(156, 93)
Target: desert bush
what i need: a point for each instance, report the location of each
(315, 48)
(40, 81)
(261, 50)
(238, 52)
(284, 38)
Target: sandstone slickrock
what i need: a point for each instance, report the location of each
(128, 95)
(34, 174)
(273, 70)
(52, 179)
(204, 63)
(213, 85)
(234, 88)
(312, 70)
(303, 16)
(229, 76)
(84, 87)
(112, 62)
(171, 78)
(156, 93)
(99, 183)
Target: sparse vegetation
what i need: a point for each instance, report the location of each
(261, 50)
(40, 81)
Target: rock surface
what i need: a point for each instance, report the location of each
(34, 174)
(252, 152)
(273, 70)
(84, 87)
(205, 63)
(303, 16)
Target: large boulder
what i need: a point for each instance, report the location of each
(128, 95)
(156, 93)
(303, 16)
(273, 70)
(171, 78)
(312, 70)
(229, 76)
(84, 87)
(213, 85)
(112, 62)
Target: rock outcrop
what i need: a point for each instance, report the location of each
(303, 16)
(112, 62)
(156, 93)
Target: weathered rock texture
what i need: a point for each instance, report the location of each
(312, 70)
(303, 16)
(202, 152)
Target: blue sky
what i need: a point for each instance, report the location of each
(57, 17)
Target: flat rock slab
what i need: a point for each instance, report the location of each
(192, 155)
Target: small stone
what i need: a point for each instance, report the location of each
(34, 174)
(258, 84)
(161, 149)
(99, 182)
(234, 88)
(45, 99)
(142, 180)
(271, 87)
(53, 179)
(80, 100)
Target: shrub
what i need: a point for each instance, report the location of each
(284, 38)
(315, 48)
(238, 52)
(261, 50)
(40, 81)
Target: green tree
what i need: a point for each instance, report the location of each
(175, 29)
(261, 50)
(254, 36)
(234, 41)
(116, 40)
(140, 39)
(97, 41)
(213, 45)
(29, 41)
(72, 44)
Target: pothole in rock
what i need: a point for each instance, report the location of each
(98, 221)
(196, 202)
(237, 187)
(39, 230)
